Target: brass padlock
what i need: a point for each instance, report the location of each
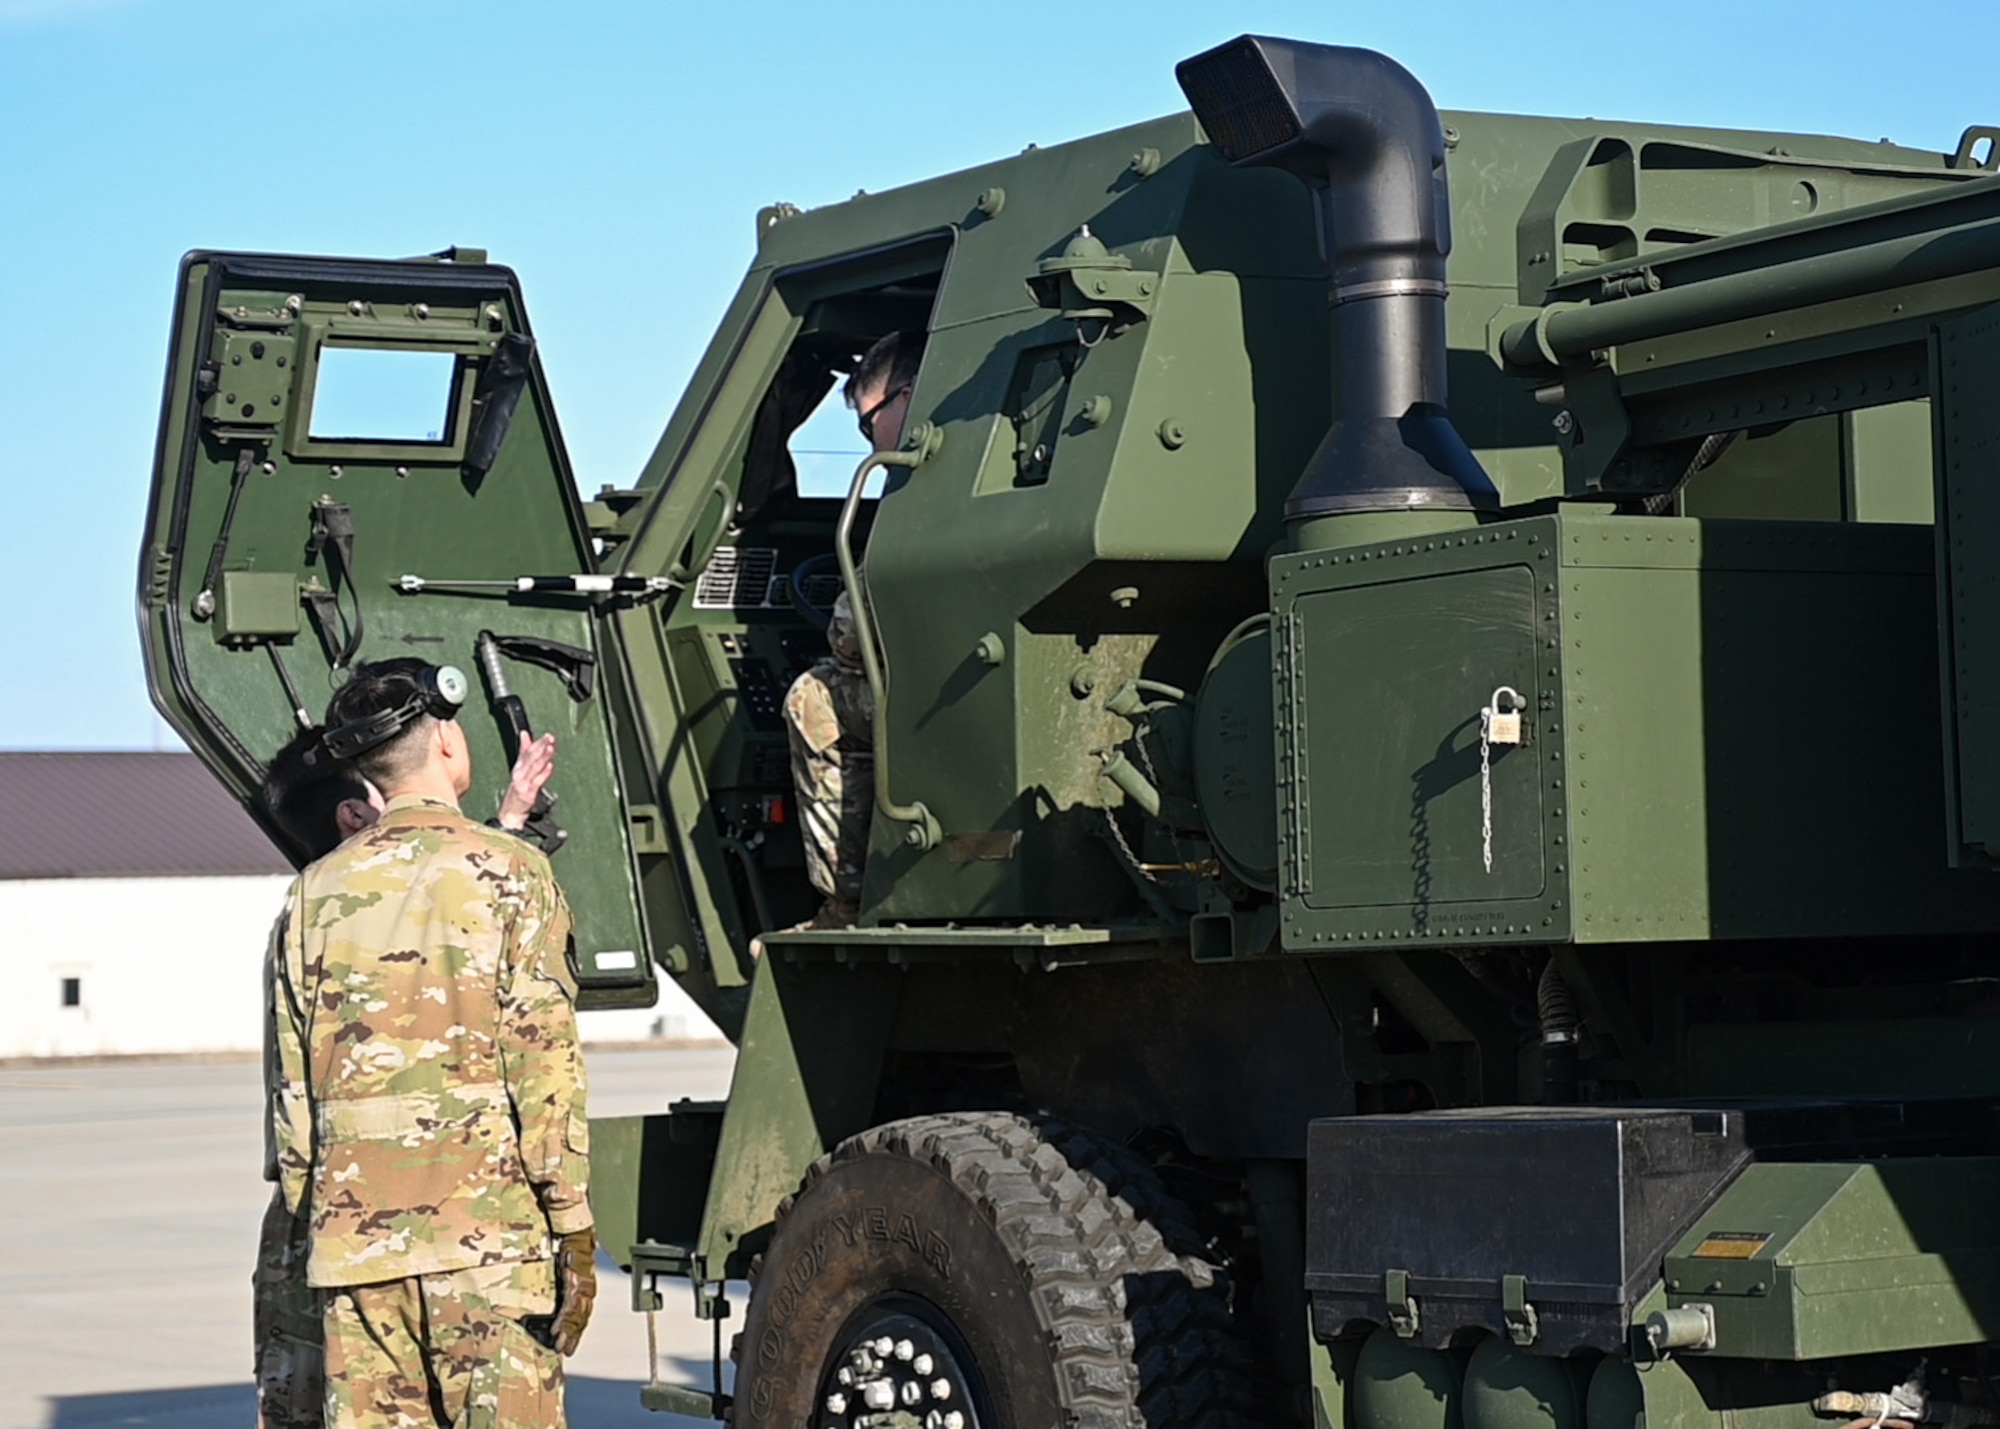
(1502, 726)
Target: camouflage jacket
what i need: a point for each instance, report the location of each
(428, 1098)
(840, 637)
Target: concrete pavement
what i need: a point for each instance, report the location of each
(130, 1196)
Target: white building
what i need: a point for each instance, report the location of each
(135, 898)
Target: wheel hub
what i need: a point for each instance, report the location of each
(899, 1365)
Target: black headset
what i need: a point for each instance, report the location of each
(440, 692)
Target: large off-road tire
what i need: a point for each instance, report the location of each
(1013, 1272)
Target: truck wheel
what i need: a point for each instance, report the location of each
(986, 1271)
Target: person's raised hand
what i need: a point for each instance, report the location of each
(533, 765)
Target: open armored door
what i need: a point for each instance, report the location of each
(330, 428)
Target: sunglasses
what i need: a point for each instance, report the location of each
(866, 421)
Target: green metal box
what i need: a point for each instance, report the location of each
(1731, 730)
(1811, 1261)
(258, 605)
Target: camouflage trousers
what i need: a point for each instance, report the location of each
(830, 712)
(444, 1351)
(285, 1313)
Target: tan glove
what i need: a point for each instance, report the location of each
(576, 1288)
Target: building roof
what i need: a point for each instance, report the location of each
(123, 815)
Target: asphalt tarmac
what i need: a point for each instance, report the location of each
(130, 1195)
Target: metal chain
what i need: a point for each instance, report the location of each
(1486, 784)
(1146, 761)
(1118, 835)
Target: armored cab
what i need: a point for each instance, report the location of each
(1434, 758)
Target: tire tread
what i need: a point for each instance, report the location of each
(1134, 1308)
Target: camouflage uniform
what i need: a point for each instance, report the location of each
(445, 1349)
(428, 1117)
(830, 711)
(288, 1340)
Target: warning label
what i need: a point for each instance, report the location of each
(1732, 1245)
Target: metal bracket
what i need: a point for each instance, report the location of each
(1968, 146)
(710, 1303)
(649, 829)
(684, 1399)
(254, 373)
(1524, 1326)
(1404, 1317)
(1088, 282)
(650, 1260)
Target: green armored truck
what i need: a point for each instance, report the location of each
(1436, 765)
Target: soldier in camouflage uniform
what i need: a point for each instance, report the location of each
(319, 807)
(285, 1311)
(830, 710)
(428, 1108)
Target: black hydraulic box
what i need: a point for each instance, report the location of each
(1540, 1224)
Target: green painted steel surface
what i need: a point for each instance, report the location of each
(1690, 766)
(1135, 543)
(649, 1176)
(1448, 644)
(1690, 1392)
(1733, 727)
(1846, 1259)
(807, 1068)
(1406, 1385)
(1509, 1388)
(1968, 424)
(415, 510)
(1231, 359)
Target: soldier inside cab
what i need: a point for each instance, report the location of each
(830, 710)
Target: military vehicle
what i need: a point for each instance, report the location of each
(1437, 771)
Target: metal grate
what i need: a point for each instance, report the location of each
(739, 578)
(1238, 100)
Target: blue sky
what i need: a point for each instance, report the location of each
(572, 139)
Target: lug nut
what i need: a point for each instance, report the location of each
(904, 1349)
(879, 1394)
(921, 1364)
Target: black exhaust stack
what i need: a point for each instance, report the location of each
(1366, 139)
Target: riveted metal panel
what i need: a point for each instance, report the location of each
(1966, 353)
(1386, 655)
(1701, 761)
